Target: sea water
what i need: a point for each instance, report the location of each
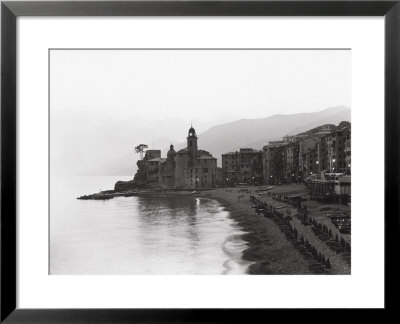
(157, 234)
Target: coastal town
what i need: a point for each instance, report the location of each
(319, 157)
(292, 197)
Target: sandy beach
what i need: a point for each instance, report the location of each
(268, 246)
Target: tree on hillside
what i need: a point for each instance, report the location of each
(140, 149)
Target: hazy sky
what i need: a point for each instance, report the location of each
(206, 86)
(162, 91)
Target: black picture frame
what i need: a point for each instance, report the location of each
(11, 10)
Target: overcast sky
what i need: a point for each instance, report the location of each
(164, 90)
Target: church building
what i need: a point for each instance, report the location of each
(190, 167)
(195, 168)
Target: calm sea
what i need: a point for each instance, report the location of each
(139, 235)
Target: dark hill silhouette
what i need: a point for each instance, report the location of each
(256, 133)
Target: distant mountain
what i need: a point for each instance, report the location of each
(256, 133)
(105, 146)
(335, 118)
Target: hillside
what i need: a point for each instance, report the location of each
(256, 133)
(111, 141)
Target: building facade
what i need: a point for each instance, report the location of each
(326, 148)
(148, 168)
(243, 166)
(292, 162)
(274, 162)
(307, 156)
(347, 151)
(323, 150)
(336, 142)
(322, 155)
(187, 168)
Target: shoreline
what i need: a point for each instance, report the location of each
(271, 248)
(268, 248)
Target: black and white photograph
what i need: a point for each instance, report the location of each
(199, 161)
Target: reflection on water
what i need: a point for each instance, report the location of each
(157, 234)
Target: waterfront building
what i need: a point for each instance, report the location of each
(148, 168)
(195, 168)
(274, 162)
(188, 168)
(323, 149)
(152, 154)
(166, 174)
(336, 146)
(307, 156)
(334, 187)
(292, 162)
(347, 151)
(243, 166)
(310, 163)
(322, 155)
(231, 167)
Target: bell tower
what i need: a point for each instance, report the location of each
(192, 145)
(171, 153)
